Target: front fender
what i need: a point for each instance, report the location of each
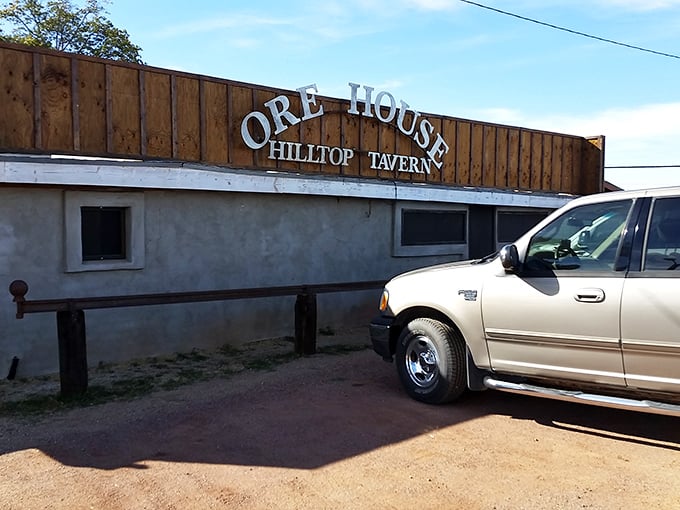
(450, 294)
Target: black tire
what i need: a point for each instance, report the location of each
(431, 361)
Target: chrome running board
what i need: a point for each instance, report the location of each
(648, 406)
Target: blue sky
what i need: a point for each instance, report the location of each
(449, 57)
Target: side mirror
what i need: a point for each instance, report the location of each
(509, 257)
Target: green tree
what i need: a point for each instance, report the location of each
(63, 26)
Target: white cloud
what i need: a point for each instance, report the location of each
(433, 5)
(628, 5)
(640, 5)
(236, 21)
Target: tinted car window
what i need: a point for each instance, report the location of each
(585, 238)
(662, 251)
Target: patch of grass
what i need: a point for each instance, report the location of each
(95, 394)
(194, 355)
(32, 405)
(327, 331)
(171, 384)
(111, 382)
(229, 350)
(132, 387)
(269, 362)
(341, 349)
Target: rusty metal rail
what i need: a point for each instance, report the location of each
(71, 316)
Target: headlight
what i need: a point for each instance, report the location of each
(384, 299)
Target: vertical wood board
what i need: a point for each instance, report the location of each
(125, 111)
(463, 153)
(502, 177)
(188, 119)
(448, 170)
(216, 118)
(16, 87)
(513, 168)
(158, 115)
(241, 105)
(536, 161)
(55, 103)
(477, 154)
(547, 166)
(557, 163)
(525, 159)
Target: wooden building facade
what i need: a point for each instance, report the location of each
(70, 104)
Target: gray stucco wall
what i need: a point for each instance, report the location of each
(204, 228)
(194, 240)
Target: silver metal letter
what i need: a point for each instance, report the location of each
(378, 109)
(306, 100)
(367, 102)
(438, 149)
(282, 112)
(245, 133)
(426, 129)
(400, 120)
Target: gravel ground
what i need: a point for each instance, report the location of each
(264, 429)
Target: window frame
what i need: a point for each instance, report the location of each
(581, 271)
(459, 250)
(516, 210)
(133, 205)
(645, 249)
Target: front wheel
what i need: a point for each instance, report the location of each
(431, 361)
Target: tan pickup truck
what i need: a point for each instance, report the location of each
(585, 306)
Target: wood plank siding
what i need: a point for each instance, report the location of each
(54, 102)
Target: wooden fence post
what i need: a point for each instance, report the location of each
(72, 352)
(305, 324)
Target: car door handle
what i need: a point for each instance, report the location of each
(589, 295)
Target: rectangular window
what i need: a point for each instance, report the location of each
(103, 233)
(426, 229)
(662, 252)
(423, 228)
(513, 224)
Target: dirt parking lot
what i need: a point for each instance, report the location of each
(336, 431)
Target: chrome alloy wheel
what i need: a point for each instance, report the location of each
(422, 361)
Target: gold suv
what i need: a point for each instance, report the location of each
(585, 306)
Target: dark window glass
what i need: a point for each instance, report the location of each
(425, 227)
(663, 240)
(103, 233)
(513, 224)
(585, 238)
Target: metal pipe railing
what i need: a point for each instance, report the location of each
(71, 316)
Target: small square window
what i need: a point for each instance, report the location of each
(103, 233)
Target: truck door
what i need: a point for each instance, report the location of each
(650, 307)
(558, 317)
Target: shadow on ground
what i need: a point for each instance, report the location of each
(305, 414)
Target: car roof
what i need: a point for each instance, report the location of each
(611, 196)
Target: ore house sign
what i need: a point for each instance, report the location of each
(58, 103)
(257, 130)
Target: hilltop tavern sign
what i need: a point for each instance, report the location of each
(383, 107)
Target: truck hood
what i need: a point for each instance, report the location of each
(447, 266)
